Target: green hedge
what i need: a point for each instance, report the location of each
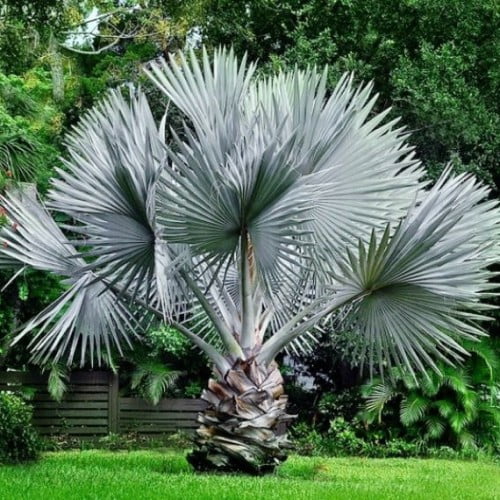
(18, 439)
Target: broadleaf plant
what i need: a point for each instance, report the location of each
(279, 206)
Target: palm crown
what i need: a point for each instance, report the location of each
(278, 207)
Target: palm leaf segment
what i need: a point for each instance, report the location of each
(244, 220)
(116, 156)
(421, 286)
(88, 316)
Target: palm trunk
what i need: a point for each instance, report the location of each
(240, 429)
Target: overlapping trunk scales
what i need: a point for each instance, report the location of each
(240, 429)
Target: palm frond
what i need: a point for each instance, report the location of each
(445, 407)
(153, 379)
(486, 363)
(361, 173)
(377, 395)
(57, 383)
(456, 380)
(435, 427)
(467, 440)
(117, 153)
(208, 94)
(413, 408)
(459, 421)
(31, 237)
(87, 318)
(88, 315)
(422, 286)
(430, 384)
(18, 156)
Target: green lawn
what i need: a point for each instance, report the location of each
(166, 475)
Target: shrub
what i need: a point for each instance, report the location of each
(127, 441)
(350, 438)
(18, 439)
(345, 404)
(307, 441)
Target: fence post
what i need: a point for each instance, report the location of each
(113, 410)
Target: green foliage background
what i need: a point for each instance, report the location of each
(436, 63)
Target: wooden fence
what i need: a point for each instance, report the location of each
(92, 406)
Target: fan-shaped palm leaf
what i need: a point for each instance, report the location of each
(32, 238)
(116, 156)
(422, 285)
(88, 315)
(18, 156)
(283, 153)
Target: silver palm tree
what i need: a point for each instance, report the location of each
(279, 208)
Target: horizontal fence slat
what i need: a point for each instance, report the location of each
(15, 386)
(158, 417)
(172, 427)
(89, 388)
(168, 423)
(164, 404)
(22, 378)
(89, 378)
(70, 395)
(75, 431)
(73, 404)
(68, 413)
(160, 428)
(74, 396)
(77, 378)
(43, 393)
(87, 422)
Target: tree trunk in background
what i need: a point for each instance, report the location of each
(240, 429)
(57, 69)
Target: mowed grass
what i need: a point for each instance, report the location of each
(166, 475)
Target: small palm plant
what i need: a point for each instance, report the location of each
(459, 406)
(152, 379)
(278, 209)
